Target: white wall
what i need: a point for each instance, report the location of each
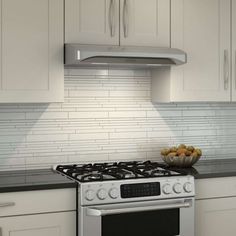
(107, 115)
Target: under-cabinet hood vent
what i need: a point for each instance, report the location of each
(77, 55)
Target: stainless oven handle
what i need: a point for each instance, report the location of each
(103, 212)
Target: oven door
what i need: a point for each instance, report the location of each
(147, 218)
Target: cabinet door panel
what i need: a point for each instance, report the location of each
(25, 58)
(215, 217)
(90, 21)
(202, 29)
(54, 224)
(32, 51)
(145, 23)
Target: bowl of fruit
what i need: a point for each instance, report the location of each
(182, 156)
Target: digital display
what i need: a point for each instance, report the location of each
(140, 190)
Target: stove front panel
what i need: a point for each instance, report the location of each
(110, 192)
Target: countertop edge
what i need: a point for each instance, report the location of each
(37, 187)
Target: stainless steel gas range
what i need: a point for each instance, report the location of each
(132, 199)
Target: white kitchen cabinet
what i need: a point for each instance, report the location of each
(31, 51)
(114, 22)
(216, 217)
(215, 207)
(36, 213)
(92, 21)
(53, 224)
(145, 23)
(202, 28)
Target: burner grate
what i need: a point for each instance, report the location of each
(115, 171)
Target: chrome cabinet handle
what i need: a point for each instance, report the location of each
(102, 212)
(226, 69)
(125, 18)
(7, 204)
(112, 9)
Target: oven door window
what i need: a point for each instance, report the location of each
(150, 223)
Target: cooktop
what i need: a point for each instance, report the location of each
(115, 171)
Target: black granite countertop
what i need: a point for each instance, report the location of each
(212, 168)
(27, 180)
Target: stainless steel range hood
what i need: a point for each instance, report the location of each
(90, 55)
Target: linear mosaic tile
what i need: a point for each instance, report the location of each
(107, 115)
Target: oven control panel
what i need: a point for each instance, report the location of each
(136, 190)
(140, 190)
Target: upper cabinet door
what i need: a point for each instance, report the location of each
(233, 50)
(31, 51)
(145, 23)
(202, 28)
(92, 21)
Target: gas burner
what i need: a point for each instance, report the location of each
(92, 177)
(160, 172)
(115, 171)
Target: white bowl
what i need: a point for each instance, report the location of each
(177, 161)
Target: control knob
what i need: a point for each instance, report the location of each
(102, 194)
(177, 188)
(188, 187)
(89, 195)
(113, 193)
(166, 189)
